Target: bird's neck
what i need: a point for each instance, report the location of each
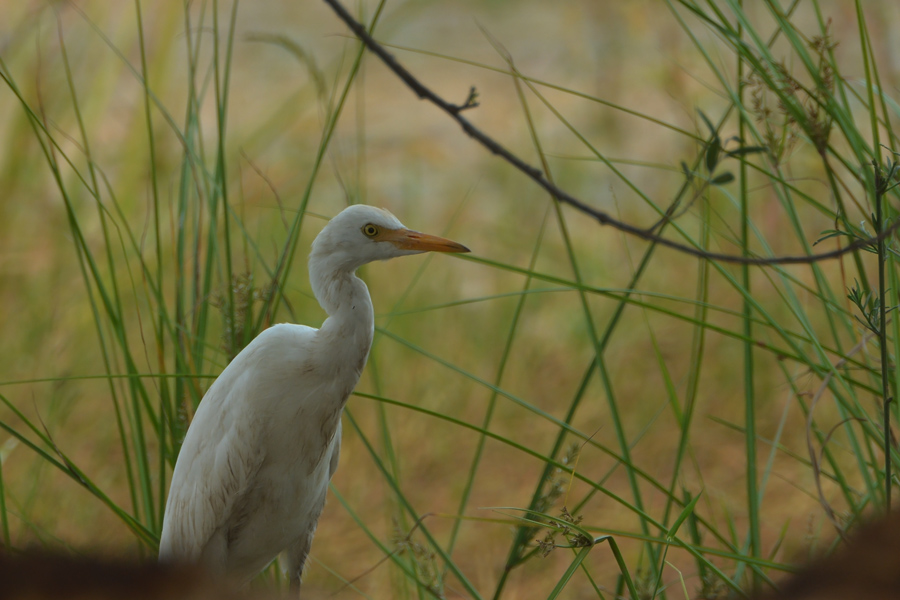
(344, 296)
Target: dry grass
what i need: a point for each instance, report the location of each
(393, 150)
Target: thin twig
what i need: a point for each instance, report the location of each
(384, 558)
(455, 110)
(272, 187)
(816, 457)
(882, 185)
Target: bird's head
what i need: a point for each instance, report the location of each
(360, 234)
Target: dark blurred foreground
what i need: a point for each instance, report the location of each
(865, 568)
(39, 574)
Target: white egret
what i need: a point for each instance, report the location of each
(251, 478)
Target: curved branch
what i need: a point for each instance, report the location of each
(604, 218)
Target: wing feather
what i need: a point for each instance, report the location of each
(335, 452)
(224, 451)
(217, 464)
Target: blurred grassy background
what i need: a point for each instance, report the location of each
(445, 322)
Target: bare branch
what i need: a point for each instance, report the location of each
(455, 110)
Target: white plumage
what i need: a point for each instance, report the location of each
(252, 474)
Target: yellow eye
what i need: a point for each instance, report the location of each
(370, 230)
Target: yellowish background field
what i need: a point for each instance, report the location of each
(393, 150)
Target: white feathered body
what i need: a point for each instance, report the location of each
(253, 471)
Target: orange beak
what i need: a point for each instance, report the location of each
(406, 239)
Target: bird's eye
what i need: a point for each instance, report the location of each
(370, 230)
